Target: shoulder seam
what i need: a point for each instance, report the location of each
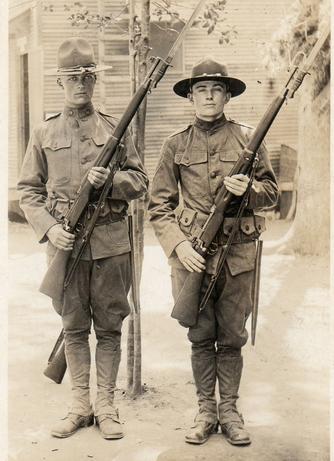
(180, 130)
(52, 116)
(240, 123)
(106, 115)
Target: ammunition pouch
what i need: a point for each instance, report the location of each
(113, 210)
(250, 227)
(187, 221)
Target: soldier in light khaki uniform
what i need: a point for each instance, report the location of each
(197, 159)
(61, 151)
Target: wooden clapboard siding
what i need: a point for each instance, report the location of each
(167, 112)
(55, 28)
(255, 21)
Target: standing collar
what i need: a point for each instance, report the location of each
(79, 112)
(210, 126)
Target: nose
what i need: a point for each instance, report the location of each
(209, 94)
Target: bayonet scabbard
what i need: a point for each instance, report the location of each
(256, 289)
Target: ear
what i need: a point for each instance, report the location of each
(60, 83)
(190, 97)
(227, 97)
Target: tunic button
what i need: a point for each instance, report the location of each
(87, 112)
(83, 161)
(70, 112)
(212, 153)
(82, 138)
(213, 174)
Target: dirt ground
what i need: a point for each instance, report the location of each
(284, 391)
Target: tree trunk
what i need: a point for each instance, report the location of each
(138, 66)
(309, 233)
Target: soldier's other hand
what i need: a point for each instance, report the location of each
(191, 260)
(60, 238)
(236, 184)
(97, 176)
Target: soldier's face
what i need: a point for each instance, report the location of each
(78, 89)
(209, 98)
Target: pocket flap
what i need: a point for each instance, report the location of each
(247, 225)
(191, 158)
(260, 223)
(56, 143)
(100, 139)
(229, 156)
(187, 217)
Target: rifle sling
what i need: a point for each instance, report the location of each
(223, 256)
(89, 227)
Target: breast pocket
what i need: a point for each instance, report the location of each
(194, 172)
(227, 161)
(58, 156)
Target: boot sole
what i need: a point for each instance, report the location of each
(117, 435)
(112, 437)
(59, 435)
(237, 442)
(196, 442)
(200, 442)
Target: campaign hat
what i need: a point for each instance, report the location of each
(209, 69)
(75, 56)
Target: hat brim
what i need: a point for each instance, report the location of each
(76, 71)
(235, 86)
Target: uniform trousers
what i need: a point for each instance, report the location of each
(216, 341)
(96, 294)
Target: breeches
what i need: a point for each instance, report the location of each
(223, 320)
(98, 293)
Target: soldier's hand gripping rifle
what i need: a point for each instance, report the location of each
(188, 303)
(58, 274)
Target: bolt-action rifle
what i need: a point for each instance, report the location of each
(189, 302)
(59, 272)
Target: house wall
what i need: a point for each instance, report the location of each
(41, 31)
(23, 39)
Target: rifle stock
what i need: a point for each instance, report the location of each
(185, 309)
(57, 366)
(53, 282)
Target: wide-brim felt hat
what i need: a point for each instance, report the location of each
(75, 56)
(208, 69)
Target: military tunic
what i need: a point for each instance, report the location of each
(192, 166)
(61, 151)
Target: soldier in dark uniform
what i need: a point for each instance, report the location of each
(61, 151)
(196, 161)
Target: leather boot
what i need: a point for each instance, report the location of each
(200, 432)
(108, 356)
(229, 368)
(110, 425)
(70, 424)
(203, 361)
(78, 360)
